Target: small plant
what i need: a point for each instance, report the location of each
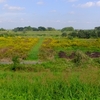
(80, 57)
(16, 62)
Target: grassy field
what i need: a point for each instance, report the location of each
(31, 33)
(53, 77)
(72, 84)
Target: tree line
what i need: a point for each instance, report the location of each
(95, 33)
(66, 31)
(29, 28)
(85, 34)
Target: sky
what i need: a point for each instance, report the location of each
(80, 14)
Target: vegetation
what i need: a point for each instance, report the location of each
(16, 62)
(67, 29)
(68, 85)
(29, 28)
(64, 34)
(16, 46)
(33, 54)
(48, 64)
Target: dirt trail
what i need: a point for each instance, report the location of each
(22, 62)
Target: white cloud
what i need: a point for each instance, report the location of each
(88, 4)
(98, 3)
(1, 1)
(13, 8)
(40, 3)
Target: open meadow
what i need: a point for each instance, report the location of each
(48, 66)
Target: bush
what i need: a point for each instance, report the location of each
(16, 62)
(70, 37)
(73, 34)
(80, 57)
(64, 34)
(46, 54)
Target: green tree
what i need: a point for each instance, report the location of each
(2, 29)
(34, 29)
(81, 34)
(28, 28)
(98, 33)
(51, 29)
(41, 28)
(18, 29)
(97, 28)
(73, 34)
(67, 29)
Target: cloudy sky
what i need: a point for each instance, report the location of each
(80, 14)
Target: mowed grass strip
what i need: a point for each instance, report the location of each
(33, 53)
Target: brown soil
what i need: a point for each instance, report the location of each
(93, 54)
(63, 54)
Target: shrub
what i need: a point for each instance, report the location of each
(70, 37)
(80, 57)
(16, 62)
(46, 54)
(73, 34)
(64, 34)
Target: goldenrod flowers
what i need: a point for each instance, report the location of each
(10, 46)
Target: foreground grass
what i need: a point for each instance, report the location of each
(71, 84)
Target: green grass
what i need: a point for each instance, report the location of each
(38, 33)
(33, 54)
(57, 79)
(75, 84)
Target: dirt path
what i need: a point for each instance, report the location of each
(22, 62)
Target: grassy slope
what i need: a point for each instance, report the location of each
(33, 54)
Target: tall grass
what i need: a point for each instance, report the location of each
(76, 84)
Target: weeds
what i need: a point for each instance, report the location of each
(16, 63)
(80, 58)
(47, 86)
